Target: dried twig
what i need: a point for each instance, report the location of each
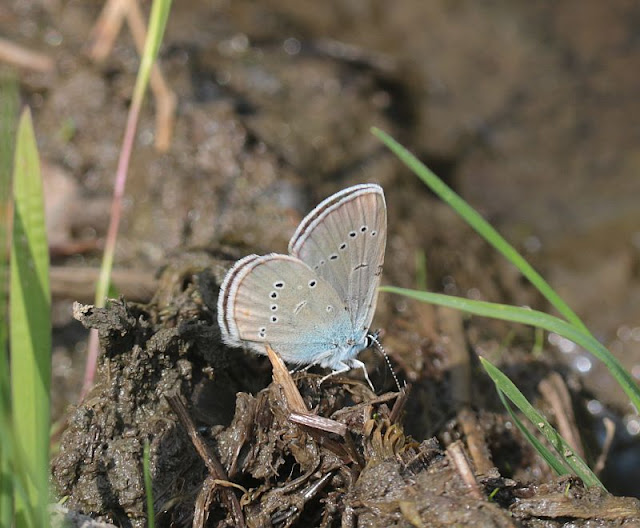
(21, 57)
(79, 283)
(203, 502)
(287, 516)
(314, 425)
(166, 100)
(554, 390)
(459, 364)
(399, 404)
(213, 464)
(610, 430)
(476, 441)
(282, 377)
(551, 505)
(456, 454)
(105, 32)
(383, 398)
(319, 422)
(106, 28)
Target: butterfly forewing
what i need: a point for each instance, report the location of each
(343, 239)
(279, 300)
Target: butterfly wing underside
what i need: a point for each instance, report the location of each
(343, 239)
(280, 301)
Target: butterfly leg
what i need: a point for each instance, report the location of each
(347, 365)
(356, 363)
(341, 367)
(300, 368)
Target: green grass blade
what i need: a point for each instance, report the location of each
(421, 270)
(536, 319)
(17, 481)
(148, 485)
(566, 452)
(475, 220)
(555, 462)
(157, 23)
(30, 328)
(8, 120)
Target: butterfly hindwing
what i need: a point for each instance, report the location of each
(279, 300)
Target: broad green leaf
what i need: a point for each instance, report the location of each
(8, 122)
(30, 329)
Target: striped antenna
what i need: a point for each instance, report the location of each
(374, 339)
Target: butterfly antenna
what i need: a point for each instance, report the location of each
(374, 340)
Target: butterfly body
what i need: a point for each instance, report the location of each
(314, 306)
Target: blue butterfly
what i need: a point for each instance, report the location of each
(315, 305)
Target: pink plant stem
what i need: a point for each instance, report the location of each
(112, 234)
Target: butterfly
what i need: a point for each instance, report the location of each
(313, 306)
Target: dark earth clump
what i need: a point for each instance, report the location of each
(286, 474)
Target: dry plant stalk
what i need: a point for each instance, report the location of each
(216, 470)
(476, 441)
(299, 413)
(22, 57)
(459, 363)
(318, 422)
(456, 454)
(105, 32)
(282, 377)
(79, 283)
(610, 431)
(554, 390)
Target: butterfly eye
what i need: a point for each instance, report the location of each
(363, 229)
(274, 307)
(353, 234)
(273, 295)
(374, 233)
(274, 319)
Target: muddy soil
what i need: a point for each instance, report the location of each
(526, 110)
(283, 473)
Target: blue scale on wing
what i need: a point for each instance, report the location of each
(281, 301)
(353, 226)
